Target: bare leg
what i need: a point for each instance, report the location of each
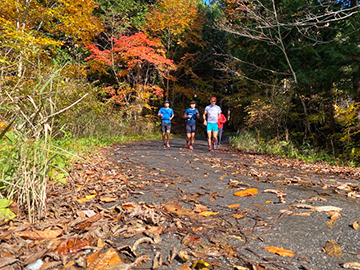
(192, 138)
(168, 137)
(209, 137)
(215, 133)
(163, 137)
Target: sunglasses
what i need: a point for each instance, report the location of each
(213, 101)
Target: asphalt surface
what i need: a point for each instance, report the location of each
(211, 178)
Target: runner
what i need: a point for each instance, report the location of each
(167, 114)
(191, 114)
(221, 122)
(211, 113)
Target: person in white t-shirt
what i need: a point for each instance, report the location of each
(210, 116)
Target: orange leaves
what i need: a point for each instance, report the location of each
(247, 192)
(72, 245)
(234, 205)
(280, 251)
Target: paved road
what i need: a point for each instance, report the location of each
(294, 221)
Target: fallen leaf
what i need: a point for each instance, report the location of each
(236, 237)
(39, 235)
(183, 255)
(104, 260)
(87, 198)
(107, 199)
(280, 251)
(72, 245)
(333, 219)
(238, 216)
(333, 249)
(208, 213)
(7, 261)
(234, 205)
(157, 262)
(326, 208)
(356, 225)
(177, 208)
(351, 265)
(200, 264)
(247, 192)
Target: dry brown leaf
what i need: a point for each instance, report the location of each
(235, 205)
(183, 255)
(7, 261)
(39, 235)
(333, 219)
(280, 251)
(247, 192)
(356, 225)
(326, 208)
(208, 213)
(88, 222)
(157, 262)
(351, 265)
(177, 208)
(142, 240)
(130, 266)
(50, 265)
(333, 249)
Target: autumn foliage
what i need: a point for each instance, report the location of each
(137, 63)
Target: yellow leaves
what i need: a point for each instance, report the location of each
(185, 267)
(39, 235)
(333, 249)
(280, 251)
(87, 198)
(237, 216)
(247, 192)
(200, 264)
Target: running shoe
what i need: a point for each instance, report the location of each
(210, 148)
(168, 145)
(214, 146)
(164, 145)
(191, 147)
(186, 144)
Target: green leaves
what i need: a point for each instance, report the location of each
(5, 212)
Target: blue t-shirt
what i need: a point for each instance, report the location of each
(193, 115)
(167, 113)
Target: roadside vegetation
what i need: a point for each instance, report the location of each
(78, 75)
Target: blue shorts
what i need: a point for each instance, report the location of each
(212, 127)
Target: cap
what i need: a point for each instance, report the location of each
(213, 99)
(192, 102)
(166, 101)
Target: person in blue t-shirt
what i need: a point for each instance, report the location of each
(167, 114)
(191, 114)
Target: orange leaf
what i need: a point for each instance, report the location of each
(234, 205)
(39, 235)
(280, 251)
(208, 213)
(238, 216)
(72, 245)
(247, 192)
(104, 260)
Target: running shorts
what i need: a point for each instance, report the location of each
(190, 127)
(165, 127)
(212, 127)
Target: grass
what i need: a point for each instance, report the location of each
(249, 142)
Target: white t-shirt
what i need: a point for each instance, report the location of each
(212, 113)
